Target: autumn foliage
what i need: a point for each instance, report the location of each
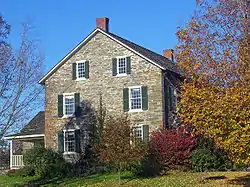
(213, 51)
(172, 148)
(118, 146)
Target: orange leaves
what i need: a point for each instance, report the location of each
(216, 39)
(213, 49)
(223, 114)
(117, 142)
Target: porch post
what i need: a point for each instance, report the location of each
(11, 154)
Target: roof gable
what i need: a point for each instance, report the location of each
(154, 58)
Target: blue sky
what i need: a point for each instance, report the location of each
(61, 25)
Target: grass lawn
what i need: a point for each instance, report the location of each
(177, 179)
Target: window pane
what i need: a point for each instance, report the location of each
(69, 105)
(81, 70)
(121, 65)
(138, 131)
(70, 141)
(135, 98)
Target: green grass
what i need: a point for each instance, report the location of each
(174, 179)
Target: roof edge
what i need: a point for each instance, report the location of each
(44, 78)
(10, 137)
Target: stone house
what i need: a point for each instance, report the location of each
(128, 78)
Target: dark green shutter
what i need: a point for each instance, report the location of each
(128, 65)
(145, 131)
(114, 66)
(170, 98)
(77, 141)
(167, 97)
(144, 98)
(60, 142)
(125, 99)
(60, 105)
(86, 69)
(74, 71)
(77, 104)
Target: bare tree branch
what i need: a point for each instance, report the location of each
(19, 73)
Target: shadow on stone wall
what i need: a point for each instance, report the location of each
(90, 122)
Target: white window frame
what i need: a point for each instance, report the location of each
(141, 126)
(117, 66)
(77, 73)
(129, 96)
(64, 143)
(64, 108)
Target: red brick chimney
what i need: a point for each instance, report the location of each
(102, 23)
(169, 53)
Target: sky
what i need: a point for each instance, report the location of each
(61, 25)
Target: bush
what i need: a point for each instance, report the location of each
(26, 171)
(45, 163)
(172, 148)
(207, 160)
(148, 167)
(207, 157)
(118, 145)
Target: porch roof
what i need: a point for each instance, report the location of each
(34, 129)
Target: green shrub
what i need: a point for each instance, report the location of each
(26, 171)
(45, 163)
(147, 167)
(208, 160)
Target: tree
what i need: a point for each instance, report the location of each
(20, 71)
(213, 50)
(118, 144)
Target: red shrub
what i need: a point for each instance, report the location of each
(172, 147)
(11, 171)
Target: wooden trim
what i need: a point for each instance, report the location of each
(24, 136)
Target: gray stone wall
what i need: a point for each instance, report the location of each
(99, 51)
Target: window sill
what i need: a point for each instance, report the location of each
(80, 79)
(70, 153)
(67, 116)
(135, 110)
(122, 75)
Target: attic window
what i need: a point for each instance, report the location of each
(80, 70)
(121, 66)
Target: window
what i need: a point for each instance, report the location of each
(80, 70)
(69, 141)
(69, 104)
(138, 131)
(172, 98)
(121, 66)
(135, 98)
(141, 132)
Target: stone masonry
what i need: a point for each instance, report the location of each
(99, 51)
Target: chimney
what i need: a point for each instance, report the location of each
(169, 53)
(102, 23)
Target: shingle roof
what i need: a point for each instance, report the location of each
(157, 58)
(35, 126)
